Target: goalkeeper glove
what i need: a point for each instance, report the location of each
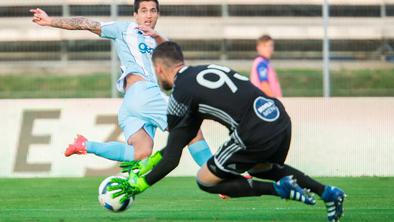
(128, 187)
(142, 166)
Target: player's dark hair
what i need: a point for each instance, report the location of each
(138, 2)
(264, 39)
(170, 52)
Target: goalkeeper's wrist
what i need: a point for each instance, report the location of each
(141, 184)
(151, 162)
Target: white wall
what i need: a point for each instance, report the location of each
(331, 137)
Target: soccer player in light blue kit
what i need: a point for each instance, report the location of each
(144, 106)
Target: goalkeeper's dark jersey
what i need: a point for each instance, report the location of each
(221, 94)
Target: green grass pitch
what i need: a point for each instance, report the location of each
(179, 199)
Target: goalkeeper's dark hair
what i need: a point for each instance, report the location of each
(138, 2)
(169, 52)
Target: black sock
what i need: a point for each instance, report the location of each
(278, 171)
(240, 187)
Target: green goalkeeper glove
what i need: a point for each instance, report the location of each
(128, 187)
(128, 167)
(142, 166)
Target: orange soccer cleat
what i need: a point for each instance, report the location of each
(78, 147)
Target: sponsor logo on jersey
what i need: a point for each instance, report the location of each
(266, 109)
(144, 48)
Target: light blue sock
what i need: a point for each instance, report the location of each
(200, 152)
(112, 150)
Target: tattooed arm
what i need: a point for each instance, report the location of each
(41, 18)
(77, 24)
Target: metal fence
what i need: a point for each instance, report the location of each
(361, 42)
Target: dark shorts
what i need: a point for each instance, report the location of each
(234, 158)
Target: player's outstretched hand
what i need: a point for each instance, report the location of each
(148, 31)
(123, 187)
(127, 167)
(128, 187)
(40, 17)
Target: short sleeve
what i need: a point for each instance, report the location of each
(112, 30)
(262, 71)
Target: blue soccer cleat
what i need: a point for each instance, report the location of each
(333, 197)
(287, 188)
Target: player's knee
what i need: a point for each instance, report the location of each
(209, 188)
(206, 181)
(142, 149)
(140, 154)
(142, 143)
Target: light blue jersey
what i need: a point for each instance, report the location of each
(143, 104)
(133, 48)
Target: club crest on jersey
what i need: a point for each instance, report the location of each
(144, 48)
(266, 109)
